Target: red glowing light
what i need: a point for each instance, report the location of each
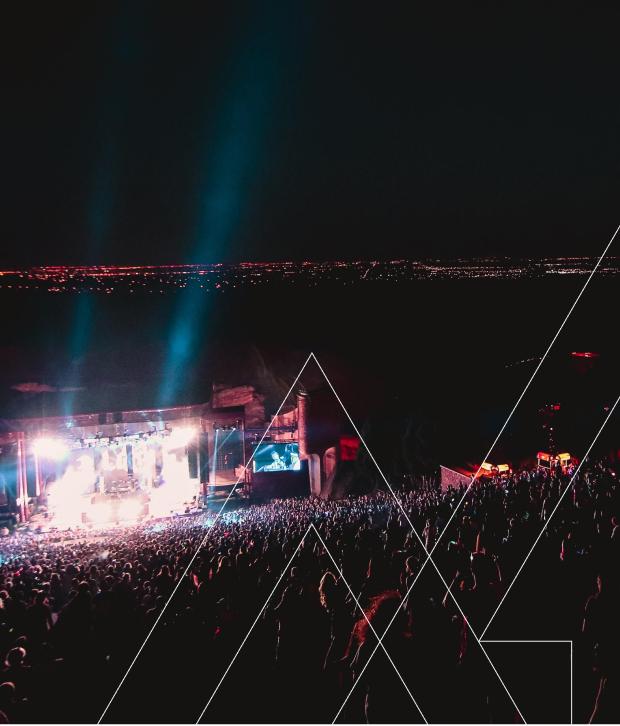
(584, 354)
(349, 446)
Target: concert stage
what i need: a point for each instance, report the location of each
(103, 469)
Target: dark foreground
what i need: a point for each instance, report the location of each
(75, 612)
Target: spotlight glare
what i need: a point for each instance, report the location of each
(100, 513)
(182, 436)
(51, 448)
(129, 509)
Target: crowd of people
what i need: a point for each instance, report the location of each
(256, 602)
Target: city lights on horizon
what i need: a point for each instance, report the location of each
(220, 276)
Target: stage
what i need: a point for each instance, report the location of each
(104, 469)
(100, 480)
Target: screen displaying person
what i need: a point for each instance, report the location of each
(291, 454)
(277, 463)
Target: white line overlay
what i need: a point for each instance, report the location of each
(481, 638)
(262, 610)
(547, 642)
(544, 527)
(428, 559)
(473, 479)
(421, 543)
(429, 554)
(200, 546)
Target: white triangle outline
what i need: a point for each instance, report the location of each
(429, 555)
(420, 542)
(473, 479)
(312, 356)
(311, 528)
(527, 556)
(428, 559)
(544, 527)
(200, 546)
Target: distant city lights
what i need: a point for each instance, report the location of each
(219, 278)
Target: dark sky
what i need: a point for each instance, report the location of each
(155, 132)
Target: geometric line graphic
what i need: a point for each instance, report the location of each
(491, 448)
(428, 554)
(200, 546)
(420, 542)
(311, 528)
(546, 524)
(339, 571)
(545, 642)
(428, 558)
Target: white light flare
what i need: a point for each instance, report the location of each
(53, 449)
(182, 436)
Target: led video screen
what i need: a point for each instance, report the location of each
(276, 457)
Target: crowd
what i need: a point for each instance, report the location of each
(75, 607)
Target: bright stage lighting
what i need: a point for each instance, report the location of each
(100, 513)
(129, 509)
(182, 436)
(51, 448)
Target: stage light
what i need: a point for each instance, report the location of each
(100, 513)
(182, 436)
(129, 509)
(51, 448)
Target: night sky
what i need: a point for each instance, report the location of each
(151, 132)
